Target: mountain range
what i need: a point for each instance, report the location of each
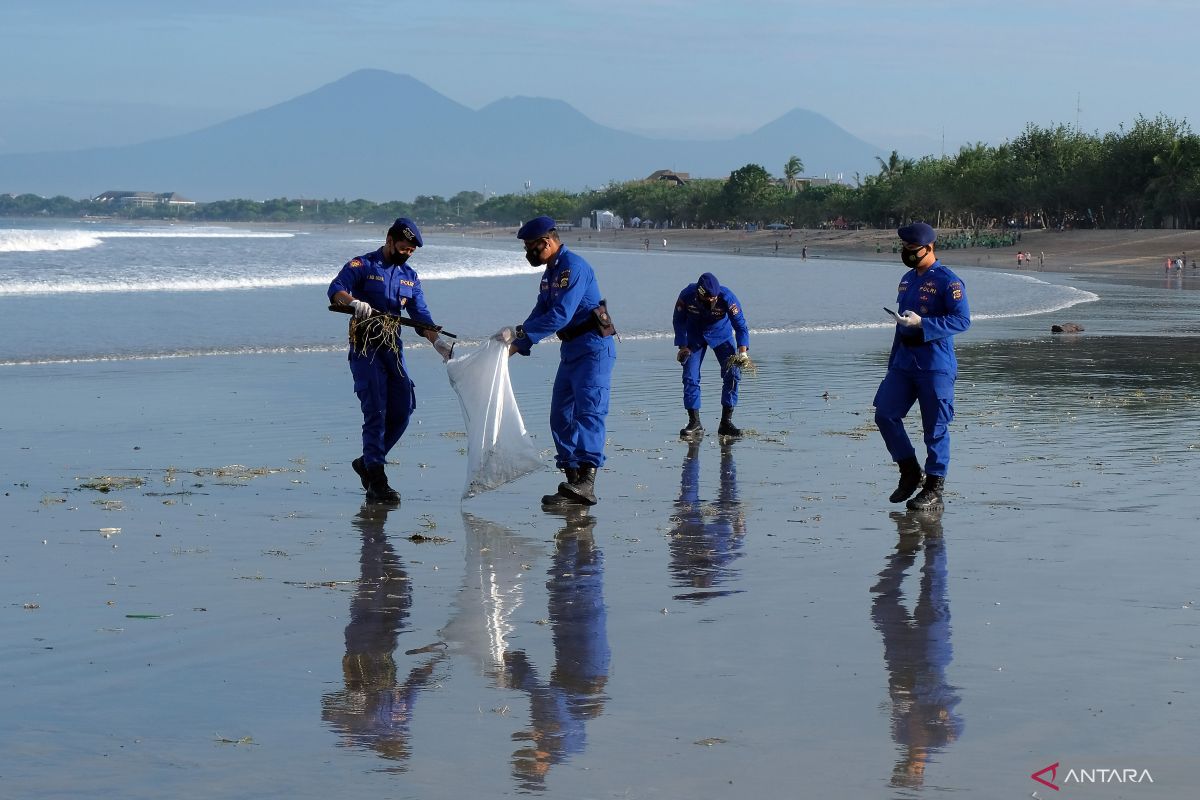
(383, 136)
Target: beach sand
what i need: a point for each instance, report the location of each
(252, 629)
(1090, 251)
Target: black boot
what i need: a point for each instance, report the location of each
(727, 427)
(360, 467)
(910, 479)
(930, 497)
(559, 498)
(693, 430)
(378, 490)
(582, 490)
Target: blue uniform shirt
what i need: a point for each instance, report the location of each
(695, 320)
(386, 288)
(567, 295)
(940, 299)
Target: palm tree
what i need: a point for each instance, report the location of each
(893, 166)
(791, 171)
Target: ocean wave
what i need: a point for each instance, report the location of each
(21, 241)
(16, 240)
(164, 356)
(195, 281)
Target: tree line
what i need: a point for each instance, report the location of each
(1057, 177)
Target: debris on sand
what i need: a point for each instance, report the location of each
(112, 483)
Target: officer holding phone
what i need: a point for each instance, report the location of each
(932, 303)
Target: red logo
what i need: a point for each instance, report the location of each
(1053, 770)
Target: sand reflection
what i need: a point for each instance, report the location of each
(916, 646)
(374, 710)
(706, 538)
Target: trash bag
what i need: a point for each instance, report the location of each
(498, 449)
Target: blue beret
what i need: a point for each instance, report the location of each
(917, 233)
(404, 228)
(538, 226)
(708, 285)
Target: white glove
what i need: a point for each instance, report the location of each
(504, 335)
(444, 348)
(908, 319)
(361, 310)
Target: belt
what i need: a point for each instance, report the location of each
(575, 331)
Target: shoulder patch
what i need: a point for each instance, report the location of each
(355, 262)
(956, 294)
(564, 278)
(733, 309)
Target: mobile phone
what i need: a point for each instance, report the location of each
(893, 313)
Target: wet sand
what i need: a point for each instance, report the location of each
(749, 620)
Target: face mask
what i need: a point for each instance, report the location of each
(912, 258)
(533, 258)
(399, 259)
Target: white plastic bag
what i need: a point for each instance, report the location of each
(498, 449)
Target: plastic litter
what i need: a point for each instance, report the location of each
(498, 447)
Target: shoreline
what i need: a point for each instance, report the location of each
(1094, 251)
(1103, 252)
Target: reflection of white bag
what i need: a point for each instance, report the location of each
(498, 451)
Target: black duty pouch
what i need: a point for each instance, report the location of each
(604, 323)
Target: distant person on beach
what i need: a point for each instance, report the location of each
(382, 281)
(932, 307)
(570, 306)
(706, 315)
(804, 253)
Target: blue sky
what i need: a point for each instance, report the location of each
(78, 72)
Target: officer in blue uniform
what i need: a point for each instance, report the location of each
(932, 306)
(708, 315)
(383, 282)
(570, 306)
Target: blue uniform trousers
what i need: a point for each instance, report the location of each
(387, 398)
(729, 376)
(934, 391)
(579, 405)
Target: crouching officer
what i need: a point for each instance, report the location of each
(932, 306)
(570, 306)
(707, 315)
(383, 282)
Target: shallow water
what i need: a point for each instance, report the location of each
(744, 621)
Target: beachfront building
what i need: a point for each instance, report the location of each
(670, 176)
(603, 220)
(142, 199)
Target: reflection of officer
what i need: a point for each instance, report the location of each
(932, 303)
(570, 306)
(705, 540)
(382, 282)
(707, 315)
(916, 647)
(560, 709)
(373, 711)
